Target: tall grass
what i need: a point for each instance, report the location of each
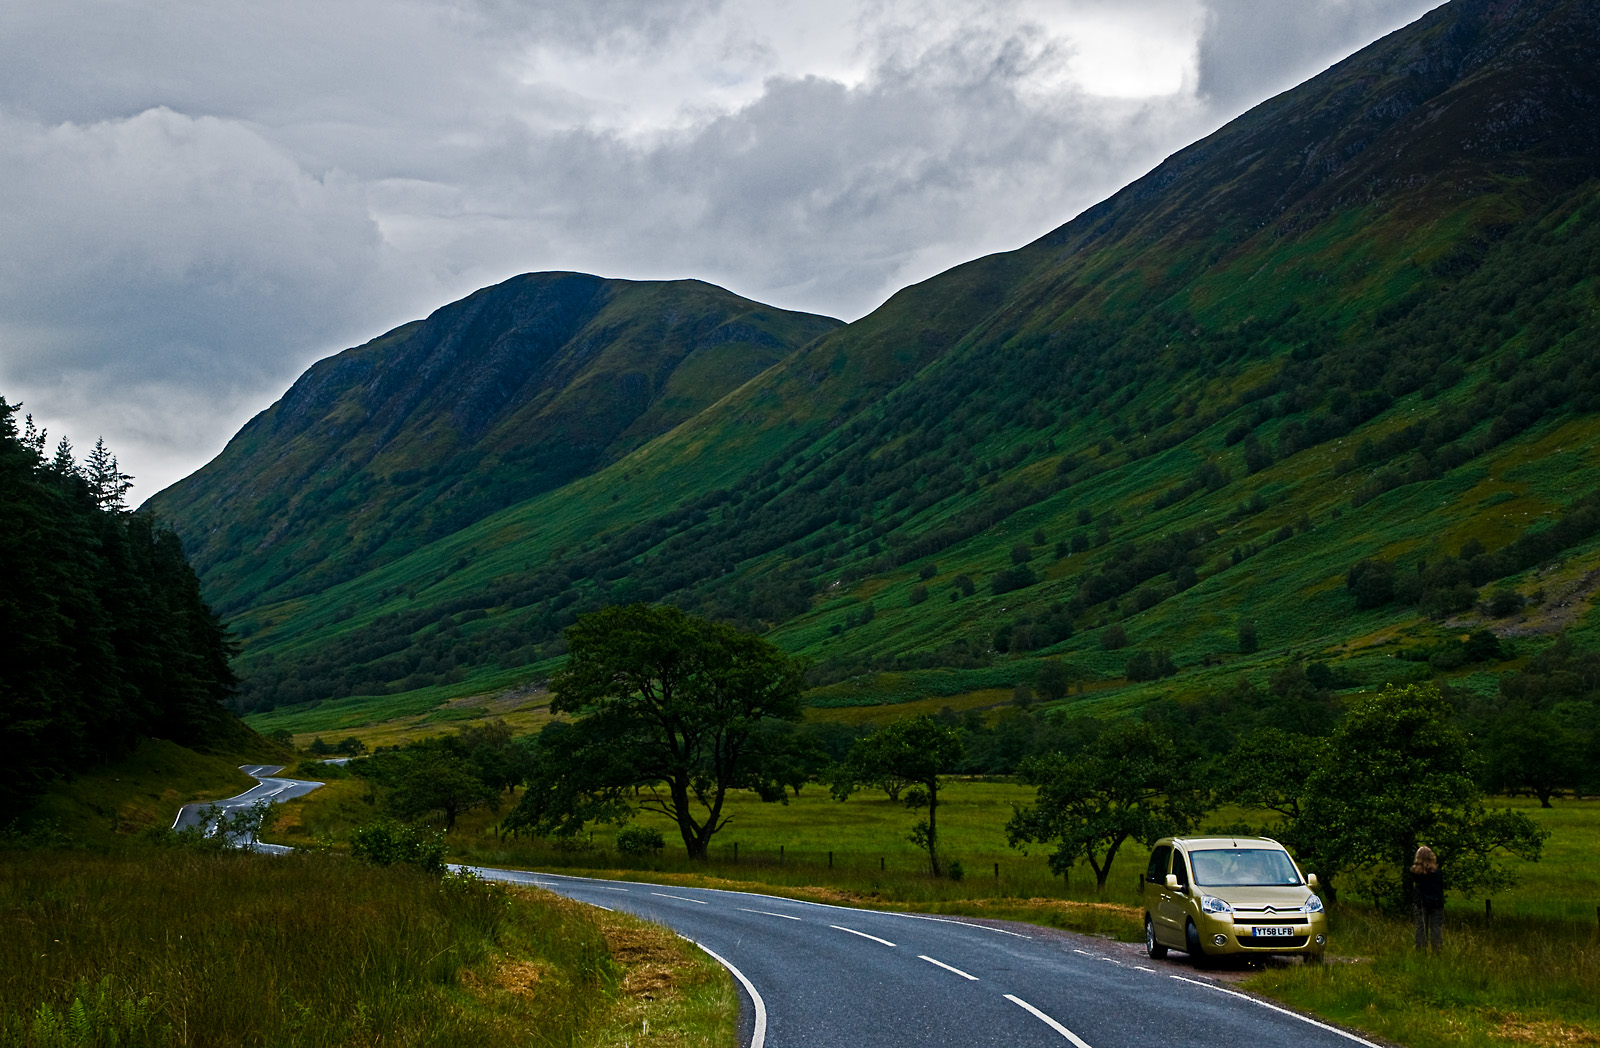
(1510, 980)
(168, 947)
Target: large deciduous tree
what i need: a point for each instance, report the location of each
(1129, 782)
(664, 705)
(916, 751)
(1399, 774)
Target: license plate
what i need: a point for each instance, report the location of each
(1272, 931)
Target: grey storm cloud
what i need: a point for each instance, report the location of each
(203, 197)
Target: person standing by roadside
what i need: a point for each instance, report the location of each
(1427, 898)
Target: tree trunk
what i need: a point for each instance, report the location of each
(933, 826)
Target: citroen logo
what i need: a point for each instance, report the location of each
(1271, 909)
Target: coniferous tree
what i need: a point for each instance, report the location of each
(107, 483)
(107, 638)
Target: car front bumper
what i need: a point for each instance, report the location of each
(1235, 933)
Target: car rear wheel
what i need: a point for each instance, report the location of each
(1152, 948)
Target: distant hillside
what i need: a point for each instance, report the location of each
(1314, 388)
(514, 390)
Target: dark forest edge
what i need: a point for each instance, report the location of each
(108, 640)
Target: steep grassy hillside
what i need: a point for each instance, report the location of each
(510, 392)
(1359, 322)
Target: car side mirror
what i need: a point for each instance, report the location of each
(1311, 880)
(1172, 882)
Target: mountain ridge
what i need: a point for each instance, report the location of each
(1210, 395)
(515, 389)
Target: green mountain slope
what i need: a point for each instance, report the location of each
(1358, 322)
(512, 391)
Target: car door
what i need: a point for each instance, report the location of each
(1161, 907)
(1173, 914)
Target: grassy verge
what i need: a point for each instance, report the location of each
(146, 788)
(1510, 981)
(167, 947)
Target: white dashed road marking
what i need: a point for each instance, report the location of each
(864, 935)
(947, 967)
(1057, 1027)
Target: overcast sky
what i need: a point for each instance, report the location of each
(198, 198)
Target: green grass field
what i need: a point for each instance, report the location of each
(144, 946)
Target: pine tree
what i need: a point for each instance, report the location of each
(34, 438)
(107, 483)
(64, 465)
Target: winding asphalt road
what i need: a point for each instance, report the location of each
(819, 976)
(267, 788)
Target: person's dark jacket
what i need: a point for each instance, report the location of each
(1428, 890)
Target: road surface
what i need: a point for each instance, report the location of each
(267, 788)
(818, 976)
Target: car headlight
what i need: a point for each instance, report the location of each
(1212, 904)
(1313, 904)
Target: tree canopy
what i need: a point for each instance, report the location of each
(665, 705)
(1399, 774)
(1128, 782)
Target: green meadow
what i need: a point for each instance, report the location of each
(141, 946)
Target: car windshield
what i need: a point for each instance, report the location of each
(1237, 867)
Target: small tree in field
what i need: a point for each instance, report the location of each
(1129, 782)
(1053, 680)
(917, 751)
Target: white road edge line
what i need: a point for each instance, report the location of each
(759, 1038)
(947, 967)
(768, 913)
(941, 920)
(1057, 1027)
(613, 889)
(800, 902)
(1142, 968)
(864, 935)
(1275, 1008)
(681, 898)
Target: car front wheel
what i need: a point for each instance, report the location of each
(1191, 938)
(1152, 948)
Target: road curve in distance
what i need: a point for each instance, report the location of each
(268, 788)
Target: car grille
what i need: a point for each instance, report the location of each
(1277, 942)
(1262, 917)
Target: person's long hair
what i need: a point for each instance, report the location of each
(1425, 862)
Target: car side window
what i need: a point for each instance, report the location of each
(1180, 869)
(1157, 871)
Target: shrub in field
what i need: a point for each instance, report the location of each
(640, 840)
(391, 843)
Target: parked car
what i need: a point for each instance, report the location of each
(1211, 896)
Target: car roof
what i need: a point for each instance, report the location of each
(1205, 843)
